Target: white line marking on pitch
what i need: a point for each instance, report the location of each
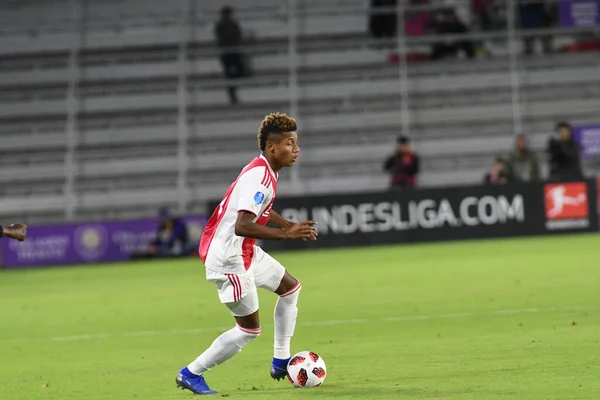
(307, 323)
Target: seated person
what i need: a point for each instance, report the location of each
(171, 240)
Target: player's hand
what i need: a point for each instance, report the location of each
(304, 230)
(16, 231)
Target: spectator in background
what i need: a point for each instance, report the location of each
(229, 38)
(171, 240)
(565, 163)
(483, 10)
(417, 22)
(499, 175)
(382, 23)
(536, 15)
(523, 163)
(403, 165)
(448, 24)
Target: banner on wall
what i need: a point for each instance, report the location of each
(86, 242)
(443, 214)
(588, 137)
(579, 13)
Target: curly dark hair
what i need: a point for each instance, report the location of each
(273, 124)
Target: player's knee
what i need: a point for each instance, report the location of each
(293, 293)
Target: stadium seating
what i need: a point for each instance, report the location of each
(128, 159)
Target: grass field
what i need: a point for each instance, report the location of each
(505, 319)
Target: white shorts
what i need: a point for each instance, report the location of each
(238, 291)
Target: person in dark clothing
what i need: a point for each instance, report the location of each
(448, 23)
(171, 240)
(535, 15)
(382, 24)
(565, 163)
(403, 165)
(229, 38)
(499, 175)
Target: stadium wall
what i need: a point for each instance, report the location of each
(392, 217)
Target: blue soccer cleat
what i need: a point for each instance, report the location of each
(194, 383)
(279, 368)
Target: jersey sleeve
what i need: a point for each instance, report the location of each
(252, 195)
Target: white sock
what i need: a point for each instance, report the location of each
(223, 348)
(286, 312)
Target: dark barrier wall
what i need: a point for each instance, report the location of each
(443, 214)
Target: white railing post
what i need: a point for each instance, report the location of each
(403, 69)
(77, 38)
(293, 77)
(515, 81)
(183, 67)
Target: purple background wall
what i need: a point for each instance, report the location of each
(86, 242)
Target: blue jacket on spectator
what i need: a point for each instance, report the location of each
(172, 236)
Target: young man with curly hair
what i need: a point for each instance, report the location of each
(238, 267)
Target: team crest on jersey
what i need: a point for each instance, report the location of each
(259, 197)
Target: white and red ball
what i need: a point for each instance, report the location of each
(306, 369)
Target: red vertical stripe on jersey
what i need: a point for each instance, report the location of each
(248, 251)
(265, 177)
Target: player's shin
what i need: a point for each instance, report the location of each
(223, 348)
(286, 312)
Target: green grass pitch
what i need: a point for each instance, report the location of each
(500, 319)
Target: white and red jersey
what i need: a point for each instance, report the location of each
(253, 191)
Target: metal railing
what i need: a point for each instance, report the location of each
(187, 15)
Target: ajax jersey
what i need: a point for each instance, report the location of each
(253, 191)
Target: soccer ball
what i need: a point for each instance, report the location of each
(306, 369)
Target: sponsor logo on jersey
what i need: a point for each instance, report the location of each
(259, 197)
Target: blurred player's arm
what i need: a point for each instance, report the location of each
(14, 231)
(245, 227)
(278, 220)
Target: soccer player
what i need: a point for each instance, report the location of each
(237, 266)
(14, 231)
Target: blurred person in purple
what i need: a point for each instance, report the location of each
(172, 239)
(523, 162)
(403, 165)
(229, 39)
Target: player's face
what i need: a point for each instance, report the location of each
(286, 150)
(564, 134)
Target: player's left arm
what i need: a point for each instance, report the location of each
(278, 220)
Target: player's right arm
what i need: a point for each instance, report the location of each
(245, 226)
(14, 231)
